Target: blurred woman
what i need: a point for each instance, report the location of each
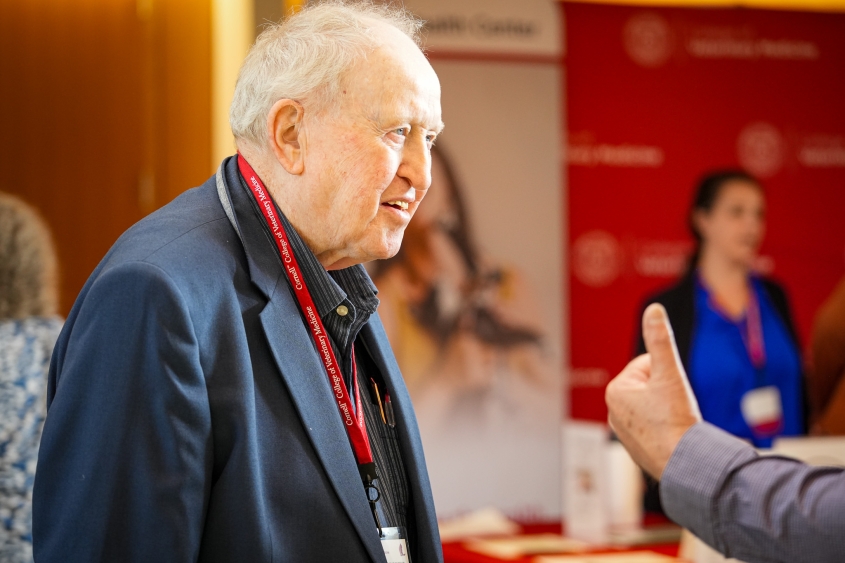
(28, 330)
(733, 328)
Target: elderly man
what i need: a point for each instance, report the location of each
(757, 509)
(223, 389)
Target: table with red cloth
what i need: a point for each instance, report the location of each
(455, 552)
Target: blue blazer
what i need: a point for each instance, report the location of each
(190, 418)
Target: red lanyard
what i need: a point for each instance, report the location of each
(754, 331)
(355, 426)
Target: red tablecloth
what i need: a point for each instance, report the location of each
(454, 552)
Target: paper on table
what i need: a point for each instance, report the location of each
(625, 489)
(520, 546)
(669, 533)
(815, 450)
(484, 522)
(585, 481)
(632, 557)
(694, 550)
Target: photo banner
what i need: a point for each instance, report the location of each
(655, 98)
(472, 302)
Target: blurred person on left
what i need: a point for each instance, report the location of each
(29, 327)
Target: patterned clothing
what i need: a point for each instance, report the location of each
(25, 349)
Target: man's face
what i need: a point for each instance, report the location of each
(367, 158)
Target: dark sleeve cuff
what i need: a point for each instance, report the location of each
(694, 478)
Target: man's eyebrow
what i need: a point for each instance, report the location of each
(379, 120)
(437, 129)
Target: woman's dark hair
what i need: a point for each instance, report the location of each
(709, 187)
(483, 321)
(459, 230)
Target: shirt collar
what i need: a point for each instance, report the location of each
(359, 287)
(328, 289)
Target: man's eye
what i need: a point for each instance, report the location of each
(430, 139)
(403, 131)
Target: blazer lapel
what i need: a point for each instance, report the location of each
(300, 366)
(304, 375)
(428, 535)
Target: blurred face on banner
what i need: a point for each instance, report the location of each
(734, 227)
(438, 206)
(431, 253)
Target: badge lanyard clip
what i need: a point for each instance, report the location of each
(368, 475)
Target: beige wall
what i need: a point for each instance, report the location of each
(233, 31)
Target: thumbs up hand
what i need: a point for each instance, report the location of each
(650, 403)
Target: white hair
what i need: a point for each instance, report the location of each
(305, 57)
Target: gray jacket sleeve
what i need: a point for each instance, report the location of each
(757, 509)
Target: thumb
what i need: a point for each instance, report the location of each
(666, 363)
(660, 341)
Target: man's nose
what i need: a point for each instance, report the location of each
(416, 164)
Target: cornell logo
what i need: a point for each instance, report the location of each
(596, 258)
(647, 39)
(760, 149)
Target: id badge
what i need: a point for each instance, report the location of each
(763, 410)
(394, 542)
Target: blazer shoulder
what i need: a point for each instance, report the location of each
(191, 233)
(190, 240)
(775, 290)
(679, 302)
(674, 296)
(777, 294)
(194, 208)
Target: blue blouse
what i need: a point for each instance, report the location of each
(25, 349)
(721, 371)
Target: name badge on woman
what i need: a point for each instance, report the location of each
(763, 411)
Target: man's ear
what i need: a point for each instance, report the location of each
(285, 134)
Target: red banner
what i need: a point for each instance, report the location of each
(656, 97)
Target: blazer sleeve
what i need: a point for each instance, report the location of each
(754, 508)
(125, 460)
